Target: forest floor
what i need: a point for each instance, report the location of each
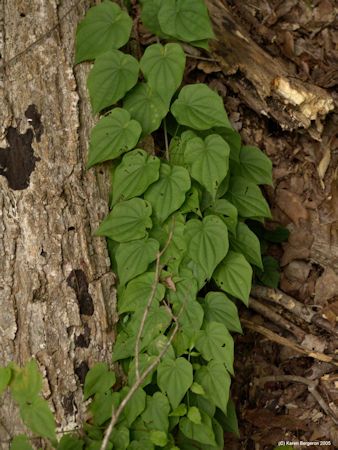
(281, 392)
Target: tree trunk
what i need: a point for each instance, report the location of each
(56, 288)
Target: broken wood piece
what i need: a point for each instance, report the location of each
(302, 311)
(264, 82)
(287, 343)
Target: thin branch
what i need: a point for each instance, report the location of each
(150, 301)
(133, 389)
(166, 140)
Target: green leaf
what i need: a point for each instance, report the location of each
(163, 68)
(101, 406)
(157, 412)
(186, 20)
(194, 415)
(208, 161)
(196, 388)
(234, 276)
(202, 433)
(215, 342)
(216, 382)
(177, 147)
(98, 379)
(26, 383)
(5, 377)
(255, 166)
(37, 416)
(135, 405)
(168, 193)
(174, 377)
(233, 138)
(157, 345)
(192, 203)
(158, 438)
(149, 13)
(270, 274)
(132, 177)
(68, 442)
(229, 422)
(143, 444)
(114, 73)
(144, 362)
(133, 258)
(248, 198)
(219, 308)
(138, 291)
(146, 106)
(21, 442)
(105, 27)
(207, 242)
(127, 221)
(200, 108)
(180, 411)
(227, 211)
(120, 438)
(112, 136)
(247, 243)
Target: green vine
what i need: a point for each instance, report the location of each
(183, 188)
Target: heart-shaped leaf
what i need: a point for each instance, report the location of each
(227, 211)
(133, 258)
(138, 291)
(234, 275)
(137, 171)
(127, 221)
(186, 20)
(174, 377)
(219, 308)
(168, 193)
(248, 198)
(207, 242)
(112, 136)
(146, 106)
(114, 73)
(216, 381)
(208, 161)
(98, 379)
(255, 166)
(200, 108)
(163, 68)
(104, 28)
(246, 242)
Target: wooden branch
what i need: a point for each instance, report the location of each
(263, 82)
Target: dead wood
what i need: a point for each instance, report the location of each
(264, 83)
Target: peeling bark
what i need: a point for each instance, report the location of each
(57, 295)
(264, 83)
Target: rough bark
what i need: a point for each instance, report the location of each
(56, 289)
(263, 82)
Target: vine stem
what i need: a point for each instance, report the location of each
(150, 301)
(133, 389)
(141, 377)
(166, 140)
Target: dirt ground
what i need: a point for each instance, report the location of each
(304, 34)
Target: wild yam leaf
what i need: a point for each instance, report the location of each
(133, 258)
(219, 308)
(163, 68)
(113, 135)
(114, 73)
(200, 108)
(207, 242)
(127, 221)
(186, 20)
(98, 379)
(234, 276)
(246, 242)
(208, 160)
(146, 106)
(137, 171)
(105, 27)
(168, 193)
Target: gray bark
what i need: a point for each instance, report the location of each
(57, 298)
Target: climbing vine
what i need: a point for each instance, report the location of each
(183, 190)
